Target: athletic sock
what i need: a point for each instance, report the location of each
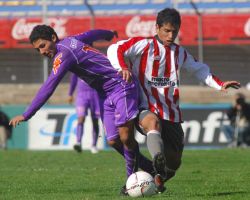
(143, 162)
(120, 150)
(154, 142)
(131, 158)
(79, 133)
(95, 132)
(94, 138)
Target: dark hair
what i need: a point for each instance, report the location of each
(42, 32)
(240, 98)
(168, 15)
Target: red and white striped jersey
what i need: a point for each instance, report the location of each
(157, 68)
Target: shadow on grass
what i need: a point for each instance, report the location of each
(228, 193)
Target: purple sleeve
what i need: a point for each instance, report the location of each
(61, 65)
(90, 36)
(73, 83)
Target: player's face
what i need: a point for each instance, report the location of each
(167, 33)
(45, 47)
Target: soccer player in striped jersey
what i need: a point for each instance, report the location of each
(118, 98)
(156, 62)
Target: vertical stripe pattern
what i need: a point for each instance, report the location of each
(157, 68)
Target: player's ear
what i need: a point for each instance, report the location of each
(157, 28)
(54, 38)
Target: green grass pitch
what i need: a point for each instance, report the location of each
(66, 175)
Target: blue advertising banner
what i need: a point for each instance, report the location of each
(53, 128)
(202, 125)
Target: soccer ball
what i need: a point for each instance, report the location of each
(140, 184)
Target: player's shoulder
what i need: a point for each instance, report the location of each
(175, 45)
(65, 48)
(69, 43)
(179, 47)
(140, 41)
(140, 38)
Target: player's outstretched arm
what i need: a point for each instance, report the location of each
(16, 120)
(230, 84)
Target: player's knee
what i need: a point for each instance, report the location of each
(112, 143)
(81, 120)
(116, 143)
(153, 125)
(126, 134)
(128, 141)
(125, 139)
(150, 122)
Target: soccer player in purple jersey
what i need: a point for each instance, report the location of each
(86, 98)
(118, 98)
(114, 138)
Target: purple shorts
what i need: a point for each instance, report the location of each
(118, 108)
(87, 100)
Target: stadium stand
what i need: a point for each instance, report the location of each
(225, 60)
(27, 8)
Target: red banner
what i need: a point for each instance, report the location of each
(217, 29)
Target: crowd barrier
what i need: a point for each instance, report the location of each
(53, 128)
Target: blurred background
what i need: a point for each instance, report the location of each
(216, 32)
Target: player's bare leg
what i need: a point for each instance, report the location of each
(131, 150)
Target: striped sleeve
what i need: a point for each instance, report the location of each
(125, 50)
(201, 71)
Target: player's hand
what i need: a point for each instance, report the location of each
(70, 99)
(16, 120)
(230, 84)
(126, 75)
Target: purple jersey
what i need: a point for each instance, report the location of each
(88, 38)
(81, 85)
(93, 35)
(88, 64)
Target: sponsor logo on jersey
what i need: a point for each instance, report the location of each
(161, 82)
(73, 43)
(87, 48)
(57, 63)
